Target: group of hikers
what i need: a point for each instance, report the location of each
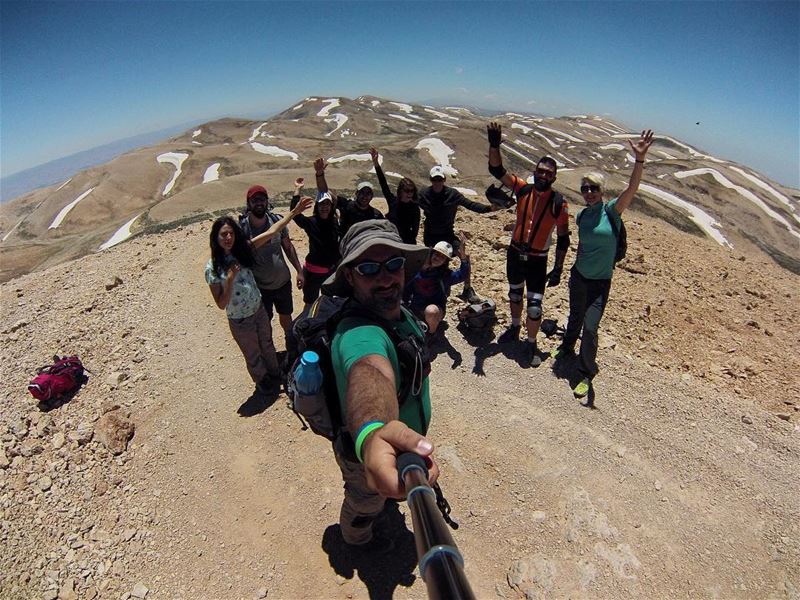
(401, 288)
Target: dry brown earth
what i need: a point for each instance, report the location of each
(682, 482)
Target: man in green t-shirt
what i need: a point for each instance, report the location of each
(374, 267)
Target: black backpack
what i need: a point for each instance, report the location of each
(621, 234)
(315, 331)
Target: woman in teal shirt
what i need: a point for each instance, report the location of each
(590, 278)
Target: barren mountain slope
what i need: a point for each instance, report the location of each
(208, 168)
(681, 483)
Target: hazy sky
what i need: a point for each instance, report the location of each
(74, 75)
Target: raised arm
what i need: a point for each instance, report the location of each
(276, 227)
(319, 170)
(387, 193)
(495, 134)
(639, 149)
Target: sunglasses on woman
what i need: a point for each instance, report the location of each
(585, 189)
(370, 268)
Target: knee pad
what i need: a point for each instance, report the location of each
(515, 293)
(535, 306)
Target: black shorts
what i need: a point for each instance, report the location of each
(281, 298)
(313, 282)
(533, 271)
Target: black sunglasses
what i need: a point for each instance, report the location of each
(371, 268)
(585, 189)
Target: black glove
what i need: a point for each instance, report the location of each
(554, 276)
(495, 134)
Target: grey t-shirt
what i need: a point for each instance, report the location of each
(270, 270)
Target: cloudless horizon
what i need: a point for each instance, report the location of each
(76, 75)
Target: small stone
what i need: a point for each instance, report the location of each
(30, 448)
(114, 431)
(83, 434)
(538, 516)
(621, 451)
(4, 462)
(115, 378)
(59, 439)
(50, 595)
(45, 483)
(113, 282)
(261, 593)
(747, 419)
(139, 591)
(657, 485)
(784, 416)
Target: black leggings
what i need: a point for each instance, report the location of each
(587, 301)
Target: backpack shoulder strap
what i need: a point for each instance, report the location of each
(611, 221)
(558, 204)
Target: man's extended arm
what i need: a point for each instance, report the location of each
(495, 134)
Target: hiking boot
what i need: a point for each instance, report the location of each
(469, 296)
(509, 335)
(561, 352)
(583, 387)
(532, 356)
(379, 544)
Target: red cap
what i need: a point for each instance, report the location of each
(255, 190)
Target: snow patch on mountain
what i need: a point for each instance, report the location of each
(331, 104)
(176, 159)
(440, 152)
(212, 173)
(122, 234)
(65, 211)
(274, 151)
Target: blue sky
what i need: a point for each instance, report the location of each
(74, 75)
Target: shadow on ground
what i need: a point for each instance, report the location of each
(257, 403)
(381, 574)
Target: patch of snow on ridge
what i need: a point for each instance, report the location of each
(588, 126)
(402, 118)
(445, 123)
(441, 115)
(122, 234)
(196, 132)
(745, 193)
(406, 108)
(466, 191)
(375, 102)
(359, 157)
(64, 211)
(212, 173)
(522, 127)
(440, 152)
(298, 106)
(701, 218)
(273, 151)
(63, 184)
(665, 154)
(176, 159)
(689, 149)
(325, 111)
(546, 139)
(764, 186)
(612, 147)
(557, 132)
(256, 132)
(521, 155)
(337, 118)
(392, 174)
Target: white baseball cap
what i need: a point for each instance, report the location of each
(438, 171)
(444, 248)
(362, 185)
(322, 196)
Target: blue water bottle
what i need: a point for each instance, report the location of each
(307, 374)
(309, 395)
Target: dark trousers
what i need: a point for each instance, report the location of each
(587, 301)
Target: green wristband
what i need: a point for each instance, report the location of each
(365, 430)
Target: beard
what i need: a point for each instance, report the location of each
(384, 298)
(259, 211)
(541, 185)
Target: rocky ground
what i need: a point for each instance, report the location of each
(682, 482)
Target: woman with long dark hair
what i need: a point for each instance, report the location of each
(322, 229)
(230, 278)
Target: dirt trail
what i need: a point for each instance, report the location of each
(664, 490)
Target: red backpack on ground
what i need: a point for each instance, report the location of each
(53, 381)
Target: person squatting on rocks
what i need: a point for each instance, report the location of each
(540, 209)
(350, 211)
(229, 274)
(270, 269)
(440, 204)
(427, 292)
(590, 277)
(322, 229)
(404, 210)
(374, 267)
